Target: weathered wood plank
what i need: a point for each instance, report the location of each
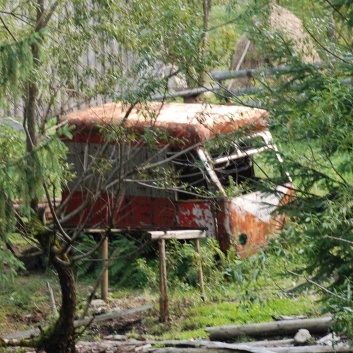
(163, 300)
(243, 348)
(235, 348)
(220, 347)
(112, 315)
(178, 234)
(314, 349)
(271, 343)
(199, 270)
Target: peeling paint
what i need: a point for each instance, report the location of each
(260, 204)
(191, 214)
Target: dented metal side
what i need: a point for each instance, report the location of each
(247, 221)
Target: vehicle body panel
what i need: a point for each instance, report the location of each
(243, 221)
(247, 221)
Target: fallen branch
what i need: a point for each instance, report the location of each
(220, 347)
(314, 349)
(52, 300)
(111, 315)
(239, 348)
(99, 318)
(275, 328)
(273, 343)
(23, 334)
(211, 344)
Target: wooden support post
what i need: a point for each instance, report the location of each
(104, 280)
(199, 270)
(163, 301)
(161, 236)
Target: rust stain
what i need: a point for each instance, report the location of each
(249, 225)
(193, 123)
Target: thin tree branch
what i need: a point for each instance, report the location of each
(335, 169)
(16, 16)
(340, 239)
(8, 29)
(53, 212)
(336, 10)
(49, 13)
(91, 296)
(324, 47)
(91, 251)
(317, 285)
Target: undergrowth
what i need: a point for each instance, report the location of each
(238, 290)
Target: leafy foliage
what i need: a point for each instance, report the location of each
(344, 10)
(312, 121)
(125, 269)
(220, 270)
(19, 184)
(15, 64)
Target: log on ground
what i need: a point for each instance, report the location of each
(268, 329)
(240, 348)
(314, 349)
(220, 347)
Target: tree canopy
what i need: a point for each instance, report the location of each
(311, 109)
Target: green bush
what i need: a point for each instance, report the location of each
(123, 268)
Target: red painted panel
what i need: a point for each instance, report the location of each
(226, 220)
(198, 214)
(138, 212)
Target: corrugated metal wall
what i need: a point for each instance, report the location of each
(135, 184)
(97, 59)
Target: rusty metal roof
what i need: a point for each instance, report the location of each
(193, 123)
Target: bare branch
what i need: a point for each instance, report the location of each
(53, 212)
(7, 29)
(91, 251)
(337, 10)
(340, 239)
(317, 285)
(324, 47)
(97, 283)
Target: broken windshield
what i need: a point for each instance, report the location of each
(236, 161)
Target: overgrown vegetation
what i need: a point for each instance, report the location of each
(310, 106)
(233, 295)
(124, 269)
(312, 118)
(137, 267)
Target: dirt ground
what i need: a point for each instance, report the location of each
(111, 334)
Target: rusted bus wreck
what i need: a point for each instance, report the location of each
(170, 166)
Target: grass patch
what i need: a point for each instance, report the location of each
(192, 323)
(25, 302)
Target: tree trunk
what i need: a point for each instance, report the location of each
(60, 339)
(31, 116)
